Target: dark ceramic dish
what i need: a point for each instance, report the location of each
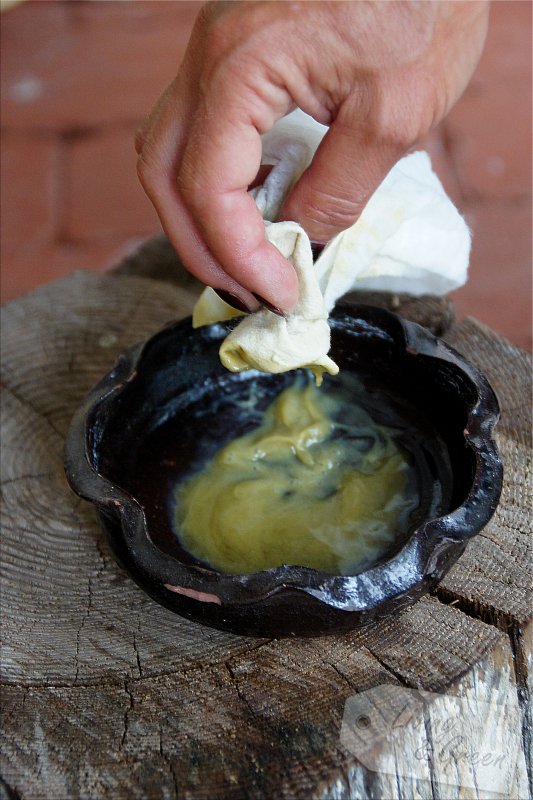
(169, 404)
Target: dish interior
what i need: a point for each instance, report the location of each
(180, 407)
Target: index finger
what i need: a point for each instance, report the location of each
(220, 160)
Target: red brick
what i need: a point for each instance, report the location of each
(490, 143)
(489, 130)
(24, 268)
(32, 28)
(132, 14)
(103, 196)
(505, 57)
(110, 65)
(28, 188)
(498, 291)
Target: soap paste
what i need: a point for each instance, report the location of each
(318, 483)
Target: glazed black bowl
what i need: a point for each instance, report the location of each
(168, 405)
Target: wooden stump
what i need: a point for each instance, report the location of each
(106, 694)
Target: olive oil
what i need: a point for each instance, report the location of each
(316, 483)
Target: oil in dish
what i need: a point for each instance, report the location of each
(318, 483)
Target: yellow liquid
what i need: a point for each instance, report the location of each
(301, 489)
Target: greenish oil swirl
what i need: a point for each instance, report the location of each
(318, 483)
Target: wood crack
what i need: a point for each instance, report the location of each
(490, 616)
(114, 682)
(516, 636)
(81, 627)
(400, 678)
(169, 762)
(242, 697)
(429, 753)
(126, 715)
(342, 675)
(8, 792)
(137, 655)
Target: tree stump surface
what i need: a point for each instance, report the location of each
(107, 694)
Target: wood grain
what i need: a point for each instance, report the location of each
(464, 743)
(493, 579)
(106, 694)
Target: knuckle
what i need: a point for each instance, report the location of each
(392, 114)
(399, 138)
(407, 115)
(332, 211)
(234, 36)
(396, 127)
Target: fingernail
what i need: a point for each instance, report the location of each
(316, 248)
(266, 304)
(233, 301)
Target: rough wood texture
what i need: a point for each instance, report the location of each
(105, 694)
(493, 579)
(462, 744)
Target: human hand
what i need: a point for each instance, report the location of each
(380, 74)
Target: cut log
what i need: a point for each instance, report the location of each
(105, 693)
(493, 579)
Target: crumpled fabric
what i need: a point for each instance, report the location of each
(410, 238)
(270, 343)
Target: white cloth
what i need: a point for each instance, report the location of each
(409, 238)
(271, 343)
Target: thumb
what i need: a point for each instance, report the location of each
(347, 168)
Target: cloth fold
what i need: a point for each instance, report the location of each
(271, 343)
(409, 238)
